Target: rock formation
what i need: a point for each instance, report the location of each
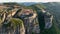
(30, 22)
(48, 18)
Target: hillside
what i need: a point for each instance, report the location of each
(54, 9)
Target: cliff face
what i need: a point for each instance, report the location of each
(30, 23)
(48, 20)
(15, 26)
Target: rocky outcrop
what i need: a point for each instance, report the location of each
(31, 24)
(12, 27)
(48, 18)
(5, 20)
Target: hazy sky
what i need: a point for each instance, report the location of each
(29, 1)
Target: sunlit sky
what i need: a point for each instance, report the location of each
(1, 1)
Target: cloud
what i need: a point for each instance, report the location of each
(29, 1)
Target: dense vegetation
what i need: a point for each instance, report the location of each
(53, 8)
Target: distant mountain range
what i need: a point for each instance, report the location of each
(31, 3)
(27, 3)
